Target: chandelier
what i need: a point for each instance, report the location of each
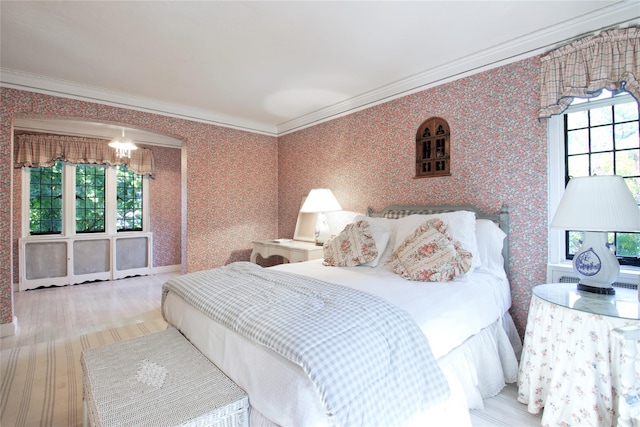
(123, 146)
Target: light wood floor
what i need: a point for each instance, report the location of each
(58, 312)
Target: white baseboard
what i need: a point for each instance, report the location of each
(9, 329)
(166, 269)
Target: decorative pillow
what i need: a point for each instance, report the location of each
(353, 246)
(381, 229)
(430, 255)
(382, 239)
(462, 227)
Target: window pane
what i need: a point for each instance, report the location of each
(627, 244)
(626, 112)
(602, 164)
(578, 141)
(578, 166)
(626, 135)
(627, 163)
(45, 201)
(129, 194)
(634, 187)
(602, 138)
(90, 199)
(577, 120)
(601, 116)
(574, 241)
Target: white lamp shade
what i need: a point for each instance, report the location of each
(320, 200)
(597, 203)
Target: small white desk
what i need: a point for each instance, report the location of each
(291, 250)
(571, 363)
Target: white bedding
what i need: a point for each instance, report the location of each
(448, 313)
(466, 321)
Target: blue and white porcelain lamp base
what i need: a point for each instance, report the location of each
(596, 265)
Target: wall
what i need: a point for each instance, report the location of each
(498, 150)
(229, 181)
(164, 209)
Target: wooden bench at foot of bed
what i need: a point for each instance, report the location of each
(158, 379)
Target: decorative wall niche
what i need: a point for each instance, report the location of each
(433, 148)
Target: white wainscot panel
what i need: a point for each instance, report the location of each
(47, 261)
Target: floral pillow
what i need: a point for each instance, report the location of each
(462, 227)
(381, 229)
(430, 255)
(355, 245)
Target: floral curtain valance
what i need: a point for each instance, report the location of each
(610, 60)
(35, 150)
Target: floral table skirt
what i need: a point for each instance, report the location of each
(570, 365)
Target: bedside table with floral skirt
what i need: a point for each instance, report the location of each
(571, 361)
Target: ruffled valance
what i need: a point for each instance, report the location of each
(36, 150)
(610, 60)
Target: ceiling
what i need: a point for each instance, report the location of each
(274, 67)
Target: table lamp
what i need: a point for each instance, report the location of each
(597, 205)
(321, 200)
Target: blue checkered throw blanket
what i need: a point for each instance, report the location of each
(368, 360)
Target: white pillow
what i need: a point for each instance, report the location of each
(381, 229)
(462, 227)
(490, 240)
(338, 220)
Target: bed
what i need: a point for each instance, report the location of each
(469, 333)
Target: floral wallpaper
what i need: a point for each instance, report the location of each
(498, 156)
(242, 186)
(227, 180)
(165, 200)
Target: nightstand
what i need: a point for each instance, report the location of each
(571, 361)
(291, 250)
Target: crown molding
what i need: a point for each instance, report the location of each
(622, 13)
(56, 87)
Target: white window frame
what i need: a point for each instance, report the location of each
(558, 264)
(69, 206)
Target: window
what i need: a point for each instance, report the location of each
(78, 199)
(433, 148)
(45, 201)
(129, 196)
(90, 199)
(599, 136)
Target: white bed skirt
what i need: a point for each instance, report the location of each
(279, 390)
(484, 363)
(449, 413)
